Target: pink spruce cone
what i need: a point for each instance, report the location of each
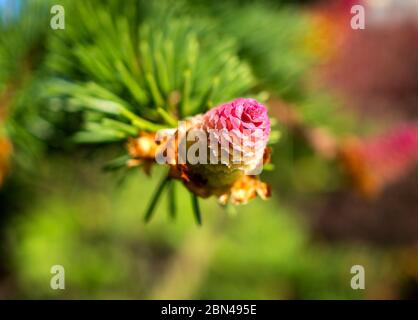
(244, 124)
(235, 138)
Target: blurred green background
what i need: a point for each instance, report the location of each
(95, 229)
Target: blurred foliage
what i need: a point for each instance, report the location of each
(19, 54)
(95, 231)
(272, 40)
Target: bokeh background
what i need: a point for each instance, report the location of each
(344, 170)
